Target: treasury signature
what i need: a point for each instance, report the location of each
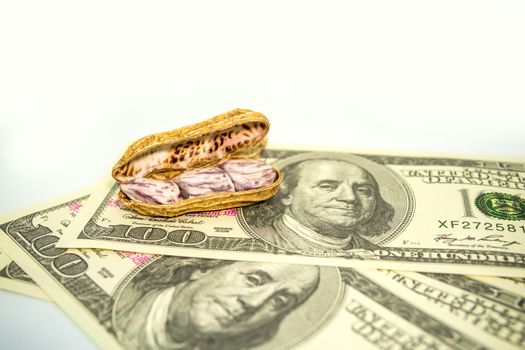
(448, 238)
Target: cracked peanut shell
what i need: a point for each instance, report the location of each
(238, 134)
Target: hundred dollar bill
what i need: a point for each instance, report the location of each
(129, 300)
(14, 279)
(401, 212)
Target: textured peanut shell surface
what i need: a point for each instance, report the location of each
(240, 133)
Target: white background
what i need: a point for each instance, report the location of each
(80, 80)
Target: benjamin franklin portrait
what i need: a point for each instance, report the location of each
(189, 303)
(327, 203)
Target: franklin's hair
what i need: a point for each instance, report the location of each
(261, 214)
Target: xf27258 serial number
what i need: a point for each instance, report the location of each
(479, 225)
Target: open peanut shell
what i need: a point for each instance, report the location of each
(240, 133)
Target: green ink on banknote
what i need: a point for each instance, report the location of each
(501, 205)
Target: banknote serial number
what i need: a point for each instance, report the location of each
(479, 225)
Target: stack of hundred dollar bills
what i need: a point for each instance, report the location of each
(356, 251)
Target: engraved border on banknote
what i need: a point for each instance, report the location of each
(494, 311)
(469, 257)
(89, 294)
(100, 210)
(14, 272)
(499, 295)
(14, 279)
(435, 328)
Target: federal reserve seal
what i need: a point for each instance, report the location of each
(501, 205)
